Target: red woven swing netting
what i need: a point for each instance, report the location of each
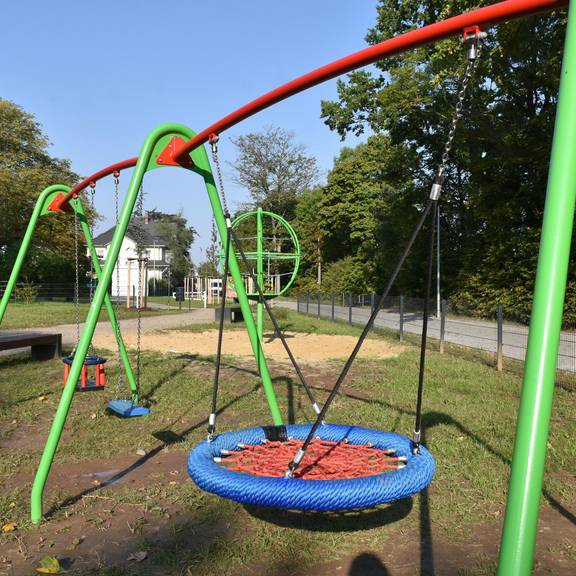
(323, 460)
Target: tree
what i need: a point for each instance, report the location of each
(179, 237)
(273, 169)
(209, 267)
(26, 168)
(494, 193)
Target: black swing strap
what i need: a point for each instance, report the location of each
(212, 417)
(277, 328)
(320, 418)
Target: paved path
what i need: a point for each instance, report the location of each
(478, 334)
(129, 326)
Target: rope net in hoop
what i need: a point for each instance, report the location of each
(324, 460)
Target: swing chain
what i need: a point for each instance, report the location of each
(77, 276)
(91, 227)
(120, 379)
(474, 50)
(213, 139)
(139, 248)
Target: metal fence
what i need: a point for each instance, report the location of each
(499, 335)
(56, 292)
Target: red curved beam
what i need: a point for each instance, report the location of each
(482, 17)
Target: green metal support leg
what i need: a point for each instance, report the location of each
(521, 519)
(260, 279)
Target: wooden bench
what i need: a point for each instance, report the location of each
(44, 346)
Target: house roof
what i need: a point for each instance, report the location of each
(150, 232)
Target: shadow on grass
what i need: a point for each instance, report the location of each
(367, 565)
(349, 521)
(165, 436)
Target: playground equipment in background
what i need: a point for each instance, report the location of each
(173, 145)
(139, 297)
(205, 289)
(272, 257)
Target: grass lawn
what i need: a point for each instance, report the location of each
(469, 422)
(53, 313)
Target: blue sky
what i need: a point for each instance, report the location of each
(99, 76)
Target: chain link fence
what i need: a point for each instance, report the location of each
(501, 336)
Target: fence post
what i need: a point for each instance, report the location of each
(442, 325)
(500, 340)
(319, 298)
(349, 308)
(307, 302)
(333, 302)
(372, 301)
(401, 318)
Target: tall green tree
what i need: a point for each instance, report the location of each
(274, 169)
(26, 168)
(494, 193)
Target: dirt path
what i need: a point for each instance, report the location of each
(129, 326)
(307, 347)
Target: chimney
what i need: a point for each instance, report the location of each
(146, 217)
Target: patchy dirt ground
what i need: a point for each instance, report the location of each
(308, 347)
(118, 516)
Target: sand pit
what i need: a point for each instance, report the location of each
(305, 347)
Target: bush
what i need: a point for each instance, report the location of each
(26, 293)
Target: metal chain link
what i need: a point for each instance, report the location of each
(474, 52)
(77, 278)
(214, 148)
(91, 228)
(120, 379)
(139, 249)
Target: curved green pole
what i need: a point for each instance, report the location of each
(156, 142)
(521, 519)
(260, 278)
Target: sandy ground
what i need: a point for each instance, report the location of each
(306, 347)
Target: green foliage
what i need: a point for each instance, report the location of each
(27, 292)
(273, 169)
(496, 178)
(26, 168)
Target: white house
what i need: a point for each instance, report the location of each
(156, 252)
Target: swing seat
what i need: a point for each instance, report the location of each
(127, 408)
(245, 466)
(86, 384)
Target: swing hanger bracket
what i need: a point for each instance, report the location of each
(168, 157)
(471, 37)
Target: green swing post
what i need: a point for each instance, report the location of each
(154, 145)
(521, 519)
(260, 278)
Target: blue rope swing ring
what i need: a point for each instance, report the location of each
(303, 494)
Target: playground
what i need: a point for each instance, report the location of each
(238, 436)
(119, 491)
